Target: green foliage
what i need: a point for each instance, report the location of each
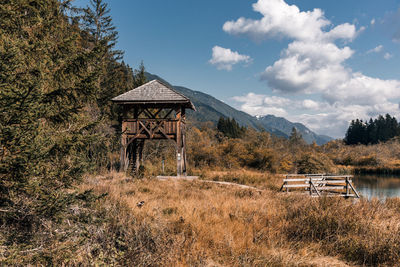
(230, 128)
(55, 84)
(113, 77)
(381, 129)
(98, 23)
(139, 76)
(295, 137)
(46, 80)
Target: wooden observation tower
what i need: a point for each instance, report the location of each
(152, 111)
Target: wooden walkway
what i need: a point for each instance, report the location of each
(318, 185)
(182, 177)
(192, 178)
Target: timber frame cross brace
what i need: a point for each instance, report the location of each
(157, 112)
(149, 128)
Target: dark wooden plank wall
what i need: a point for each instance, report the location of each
(168, 126)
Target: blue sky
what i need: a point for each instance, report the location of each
(321, 63)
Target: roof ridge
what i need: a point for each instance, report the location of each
(154, 91)
(172, 88)
(133, 89)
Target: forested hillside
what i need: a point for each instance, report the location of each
(211, 109)
(286, 126)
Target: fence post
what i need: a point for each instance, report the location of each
(287, 188)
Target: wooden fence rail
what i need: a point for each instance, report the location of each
(321, 184)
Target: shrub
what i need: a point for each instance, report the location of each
(314, 163)
(367, 161)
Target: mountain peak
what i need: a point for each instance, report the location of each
(286, 126)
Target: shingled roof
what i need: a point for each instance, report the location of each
(153, 92)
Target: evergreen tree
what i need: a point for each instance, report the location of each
(356, 133)
(98, 23)
(139, 76)
(113, 77)
(46, 80)
(230, 128)
(221, 125)
(380, 126)
(296, 138)
(372, 132)
(381, 129)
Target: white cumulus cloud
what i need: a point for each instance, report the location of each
(320, 116)
(376, 49)
(311, 104)
(257, 104)
(387, 56)
(225, 58)
(279, 19)
(314, 64)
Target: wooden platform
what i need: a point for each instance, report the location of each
(317, 185)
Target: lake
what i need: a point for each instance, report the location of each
(379, 186)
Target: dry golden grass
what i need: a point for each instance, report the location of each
(205, 224)
(261, 180)
(379, 156)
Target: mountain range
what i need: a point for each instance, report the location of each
(208, 108)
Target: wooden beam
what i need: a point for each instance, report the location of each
(169, 113)
(144, 127)
(123, 153)
(183, 133)
(157, 112)
(178, 143)
(161, 130)
(355, 191)
(313, 186)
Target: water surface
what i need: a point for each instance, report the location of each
(379, 186)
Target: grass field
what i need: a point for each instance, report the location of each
(197, 223)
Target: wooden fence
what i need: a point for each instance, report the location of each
(321, 184)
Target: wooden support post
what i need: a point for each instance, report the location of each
(137, 159)
(124, 161)
(137, 155)
(179, 142)
(183, 156)
(287, 188)
(123, 156)
(141, 146)
(183, 133)
(131, 155)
